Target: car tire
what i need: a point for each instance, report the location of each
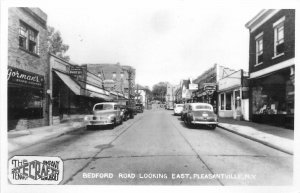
(213, 127)
(114, 123)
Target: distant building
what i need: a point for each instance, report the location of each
(114, 76)
(27, 68)
(272, 66)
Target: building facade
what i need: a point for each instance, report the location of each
(115, 76)
(272, 67)
(27, 68)
(207, 85)
(73, 90)
(233, 96)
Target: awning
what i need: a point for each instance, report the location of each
(69, 82)
(96, 89)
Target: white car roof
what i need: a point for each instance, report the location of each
(111, 103)
(203, 104)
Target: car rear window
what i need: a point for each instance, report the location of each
(179, 105)
(203, 107)
(103, 107)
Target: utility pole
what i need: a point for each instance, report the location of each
(130, 73)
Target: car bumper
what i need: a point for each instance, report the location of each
(96, 122)
(205, 122)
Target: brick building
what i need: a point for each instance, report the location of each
(27, 68)
(114, 76)
(272, 66)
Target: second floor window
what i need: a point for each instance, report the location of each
(259, 49)
(279, 37)
(28, 38)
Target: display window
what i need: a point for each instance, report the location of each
(273, 95)
(24, 102)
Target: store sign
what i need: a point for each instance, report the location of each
(76, 70)
(22, 77)
(193, 86)
(209, 88)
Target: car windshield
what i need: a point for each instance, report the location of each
(179, 105)
(203, 107)
(103, 107)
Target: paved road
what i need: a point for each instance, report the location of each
(157, 148)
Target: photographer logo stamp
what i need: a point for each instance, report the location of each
(35, 170)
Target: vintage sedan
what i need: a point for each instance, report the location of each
(201, 114)
(178, 109)
(108, 113)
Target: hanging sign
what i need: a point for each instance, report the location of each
(209, 88)
(76, 70)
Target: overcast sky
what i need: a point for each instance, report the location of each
(162, 40)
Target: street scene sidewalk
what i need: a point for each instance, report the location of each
(276, 137)
(24, 138)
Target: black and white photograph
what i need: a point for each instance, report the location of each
(184, 95)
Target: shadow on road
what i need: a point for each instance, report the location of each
(97, 127)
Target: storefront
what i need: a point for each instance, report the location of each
(207, 94)
(272, 98)
(73, 91)
(25, 100)
(233, 97)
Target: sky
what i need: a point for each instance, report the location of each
(163, 40)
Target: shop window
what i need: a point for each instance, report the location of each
(28, 38)
(228, 99)
(223, 101)
(273, 95)
(279, 37)
(25, 103)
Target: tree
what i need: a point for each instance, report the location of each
(159, 91)
(56, 45)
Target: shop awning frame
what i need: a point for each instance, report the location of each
(74, 87)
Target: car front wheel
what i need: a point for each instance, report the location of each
(213, 126)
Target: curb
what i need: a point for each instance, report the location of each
(279, 148)
(35, 138)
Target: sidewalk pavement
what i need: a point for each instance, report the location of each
(24, 138)
(276, 137)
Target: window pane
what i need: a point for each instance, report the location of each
(22, 42)
(222, 102)
(32, 46)
(280, 35)
(260, 45)
(228, 101)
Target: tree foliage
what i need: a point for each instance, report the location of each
(159, 91)
(56, 45)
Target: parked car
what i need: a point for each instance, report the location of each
(178, 109)
(139, 107)
(201, 114)
(108, 113)
(184, 111)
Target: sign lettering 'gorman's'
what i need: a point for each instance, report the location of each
(35, 170)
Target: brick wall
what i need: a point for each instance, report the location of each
(108, 70)
(24, 60)
(268, 41)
